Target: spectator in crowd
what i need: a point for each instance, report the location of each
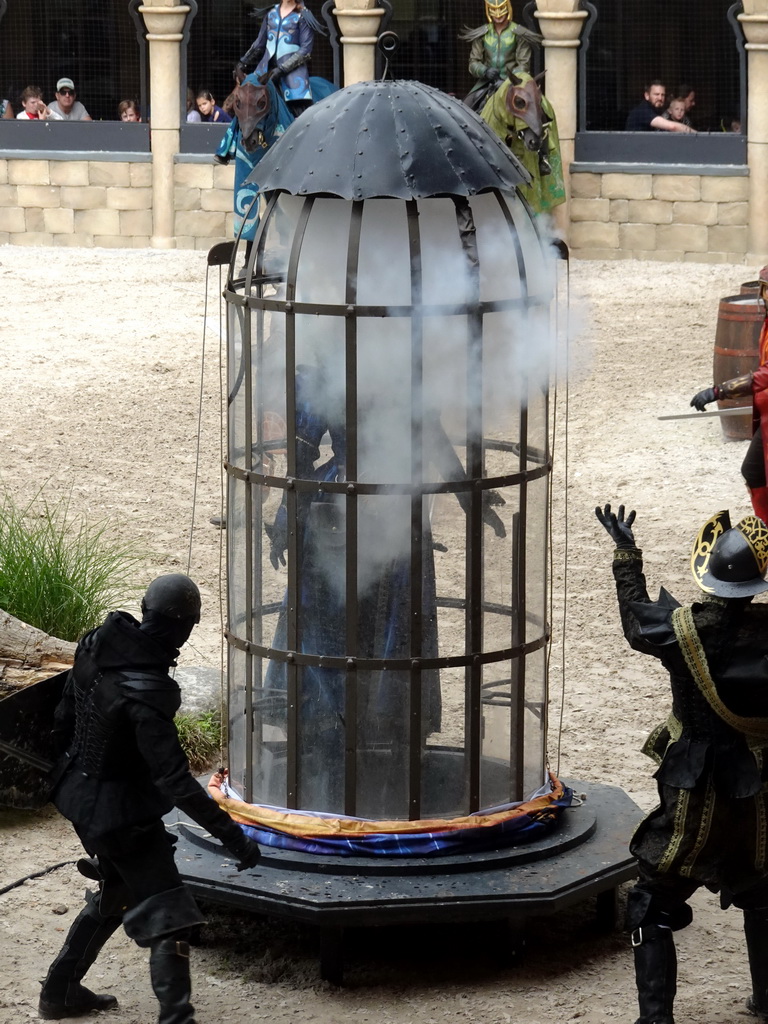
(34, 107)
(66, 104)
(676, 110)
(6, 110)
(209, 111)
(688, 94)
(193, 114)
(128, 110)
(649, 116)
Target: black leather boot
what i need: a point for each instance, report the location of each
(655, 972)
(756, 934)
(169, 971)
(62, 994)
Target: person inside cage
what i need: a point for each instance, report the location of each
(383, 582)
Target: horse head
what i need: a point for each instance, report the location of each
(524, 103)
(251, 105)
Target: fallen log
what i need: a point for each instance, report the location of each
(27, 647)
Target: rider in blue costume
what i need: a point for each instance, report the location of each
(282, 51)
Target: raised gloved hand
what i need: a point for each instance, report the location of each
(492, 75)
(278, 537)
(490, 518)
(704, 398)
(617, 526)
(246, 852)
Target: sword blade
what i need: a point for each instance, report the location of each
(24, 755)
(745, 410)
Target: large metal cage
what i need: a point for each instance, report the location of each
(388, 471)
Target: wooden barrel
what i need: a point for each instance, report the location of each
(750, 287)
(739, 321)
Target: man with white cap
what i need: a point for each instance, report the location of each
(67, 105)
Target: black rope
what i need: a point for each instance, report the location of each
(36, 874)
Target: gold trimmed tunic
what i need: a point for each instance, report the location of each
(710, 826)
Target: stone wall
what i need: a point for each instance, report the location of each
(699, 218)
(108, 203)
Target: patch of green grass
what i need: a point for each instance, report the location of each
(59, 572)
(200, 737)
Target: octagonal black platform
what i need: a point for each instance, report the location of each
(585, 855)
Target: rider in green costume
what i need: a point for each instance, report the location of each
(498, 48)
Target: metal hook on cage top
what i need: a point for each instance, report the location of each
(388, 43)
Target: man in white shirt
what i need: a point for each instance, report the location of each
(66, 104)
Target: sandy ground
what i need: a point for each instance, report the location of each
(104, 381)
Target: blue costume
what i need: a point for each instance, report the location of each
(276, 121)
(284, 45)
(272, 127)
(383, 615)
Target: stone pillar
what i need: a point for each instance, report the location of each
(359, 25)
(754, 21)
(164, 20)
(561, 23)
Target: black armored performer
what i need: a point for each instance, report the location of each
(710, 827)
(121, 769)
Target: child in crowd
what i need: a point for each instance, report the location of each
(34, 107)
(209, 111)
(193, 114)
(128, 110)
(676, 111)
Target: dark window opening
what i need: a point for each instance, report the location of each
(628, 44)
(94, 45)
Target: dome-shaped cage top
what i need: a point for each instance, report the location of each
(403, 140)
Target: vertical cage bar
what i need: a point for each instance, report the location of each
(352, 678)
(473, 506)
(417, 520)
(516, 668)
(519, 606)
(519, 611)
(293, 626)
(257, 632)
(248, 531)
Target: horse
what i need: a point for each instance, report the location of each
(524, 119)
(261, 117)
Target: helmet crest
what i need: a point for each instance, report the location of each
(731, 561)
(498, 10)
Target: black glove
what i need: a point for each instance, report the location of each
(704, 398)
(490, 518)
(291, 62)
(617, 526)
(245, 851)
(492, 75)
(278, 538)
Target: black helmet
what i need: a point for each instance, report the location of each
(176, 596)
(731, 561)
